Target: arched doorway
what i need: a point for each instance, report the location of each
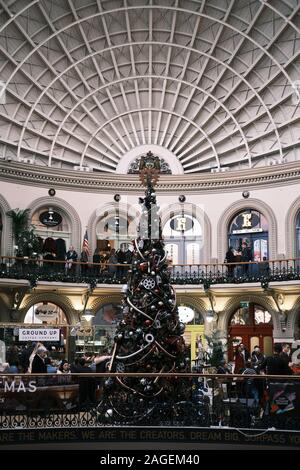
(183, 237)
(251, 324)
(250, 226)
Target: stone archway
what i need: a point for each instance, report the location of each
(103, 300)
(194, 302)
(61, 301)
(293, 321)
(229, 213)
(265, 333)
(6, 236)
(67, 210)
(290, 228)
(123, 210)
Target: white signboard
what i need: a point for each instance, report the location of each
(38, 334)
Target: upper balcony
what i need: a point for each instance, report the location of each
(33, 271)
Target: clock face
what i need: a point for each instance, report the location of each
(186, 314)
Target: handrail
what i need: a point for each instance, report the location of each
(90, 263)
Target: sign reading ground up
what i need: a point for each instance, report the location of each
(38, 334)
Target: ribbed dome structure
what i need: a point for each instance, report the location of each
(213, 82)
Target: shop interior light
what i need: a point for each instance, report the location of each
(210, 316)
(88, 315)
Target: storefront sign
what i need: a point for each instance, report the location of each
(50, 218)
(181, 224)
(38, 334)
(250, 230)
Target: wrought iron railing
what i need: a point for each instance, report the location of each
(35, 401)
(264, 272)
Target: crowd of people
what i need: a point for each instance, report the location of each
(257, 363)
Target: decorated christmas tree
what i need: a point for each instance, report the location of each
(149, 336)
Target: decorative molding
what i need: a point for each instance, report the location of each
(68, 211)
(283, 174)
(6, 236)
(162, 152)
(234, 302)
(290, 228)
(62, 301)
(230, 212)
(104, 300)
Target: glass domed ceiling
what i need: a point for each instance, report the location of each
(215, 82)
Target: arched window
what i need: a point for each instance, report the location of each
(114, 230)
(45, 313)
(183, 237)
(53, 229)
(250, 315)
(250, 227)
(298, 236)
(189, 315)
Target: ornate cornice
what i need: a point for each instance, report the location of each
(234, 180)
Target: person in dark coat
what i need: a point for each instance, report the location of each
(38, 364)
(230, 258)
(87, 385)
(246, 257)
(286, 353)
(276, 364)
(71, 257)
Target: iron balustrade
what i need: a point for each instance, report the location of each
(33, 270)
(35, 401)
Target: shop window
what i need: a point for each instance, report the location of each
(250, 227)
(183, 237)
(251, 314)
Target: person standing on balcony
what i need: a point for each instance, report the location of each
(71, 257)
(246, 257)
(230, 258)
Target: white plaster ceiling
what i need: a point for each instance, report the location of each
(212, 82)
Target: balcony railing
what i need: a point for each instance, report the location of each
(43, 401)
(35, 270)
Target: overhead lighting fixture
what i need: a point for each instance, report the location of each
(50, 212)
(210, 316)
(88, 315)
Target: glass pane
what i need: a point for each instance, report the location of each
(193, 253)
(172, 252)
(241, 317)
(262, 316)
(254, 341)
(268, 346)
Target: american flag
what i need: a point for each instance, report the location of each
(85, 243)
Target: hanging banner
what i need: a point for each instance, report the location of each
(38, 334)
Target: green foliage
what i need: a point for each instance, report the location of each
(215, 349)
(28, 244)
(26, 240)
(20, 221)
